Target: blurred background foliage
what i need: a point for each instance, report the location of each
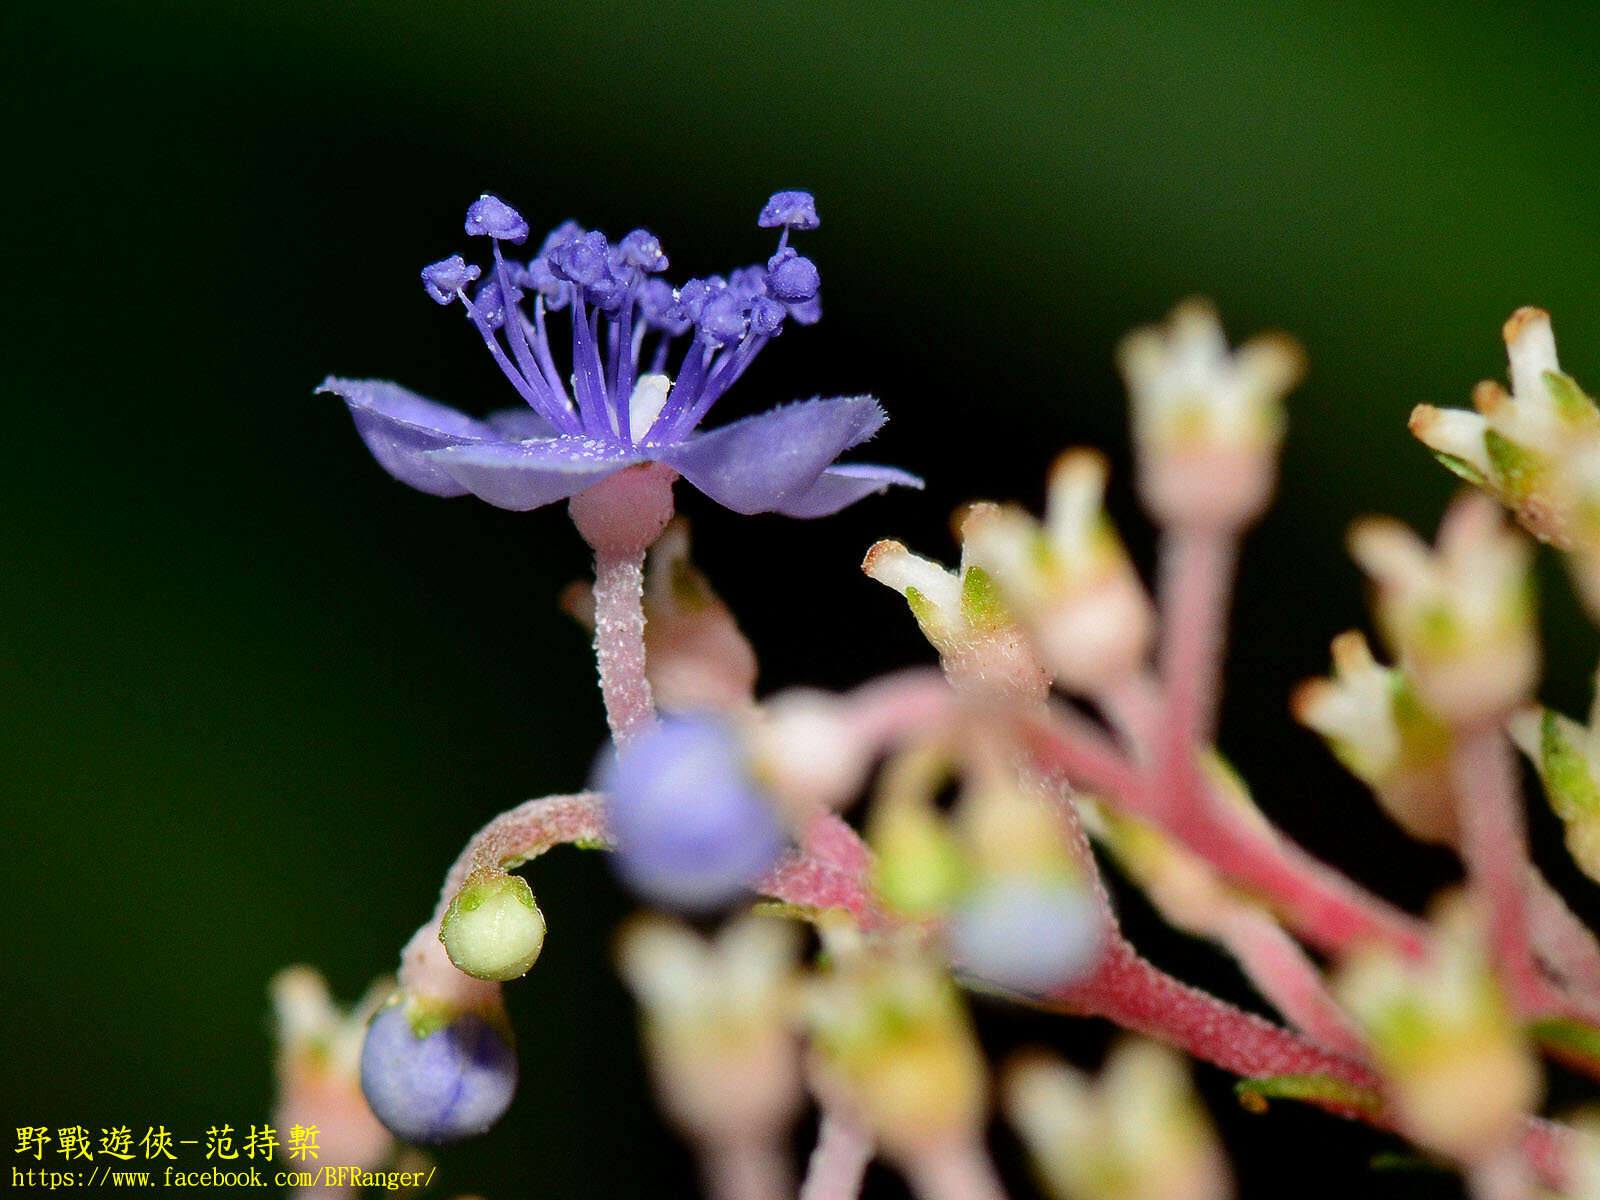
(255, 695)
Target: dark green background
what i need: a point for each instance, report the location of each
(254, 695)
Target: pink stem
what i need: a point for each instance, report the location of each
(1287, 979)
(1196, 572)
(946, 1170)
(1494, 844)
(1327, 909)
(525, 832)
(829, 871)
(839, 1161)
(619, 641)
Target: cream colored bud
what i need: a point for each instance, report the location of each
(1207, 422)
(979, 645)
(808, 753)
(1459, 616)
(1137, 1132)
(1068, 581)
(1373, 722)
(1455, 1061)
(717, 1022)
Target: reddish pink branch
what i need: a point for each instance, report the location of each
(1288, 980)
(1327, 909)
(1138, 996)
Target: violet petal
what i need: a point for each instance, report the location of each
(524, 475)
(763, 463)
(841, 486)
(401, 427)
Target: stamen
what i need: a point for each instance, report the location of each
(446, 278)
(492, 217)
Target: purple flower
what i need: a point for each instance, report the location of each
(1026, 933)
(450, 1084)
(615, 403)
(691, 829)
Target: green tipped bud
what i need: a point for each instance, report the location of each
(962, 615)
(493, 928)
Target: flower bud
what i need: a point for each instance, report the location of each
(493, 928)
(1138, 1132)
(692, 828)
(1456, 1065)
(1373, 722)
(717, 1022)
(961, 615)
(1207, 422)
(1069, 581)
(1524, 447)
(435, 1073)
(891, 1033)
(1567, 757)
(1459, 617)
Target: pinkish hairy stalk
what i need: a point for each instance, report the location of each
(1324, 907)
(1494, 844)
(1196, 571)
(838, 1161)
(525, 832)
(621, 517)
(1131, 992)
(952, 1171)
(512, 838)
(619, 642)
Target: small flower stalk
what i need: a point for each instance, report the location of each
(697, 659)
(1207, 421)
(1135, 1132)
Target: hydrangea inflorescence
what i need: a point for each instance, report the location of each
(618, 406)
(712, 797)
